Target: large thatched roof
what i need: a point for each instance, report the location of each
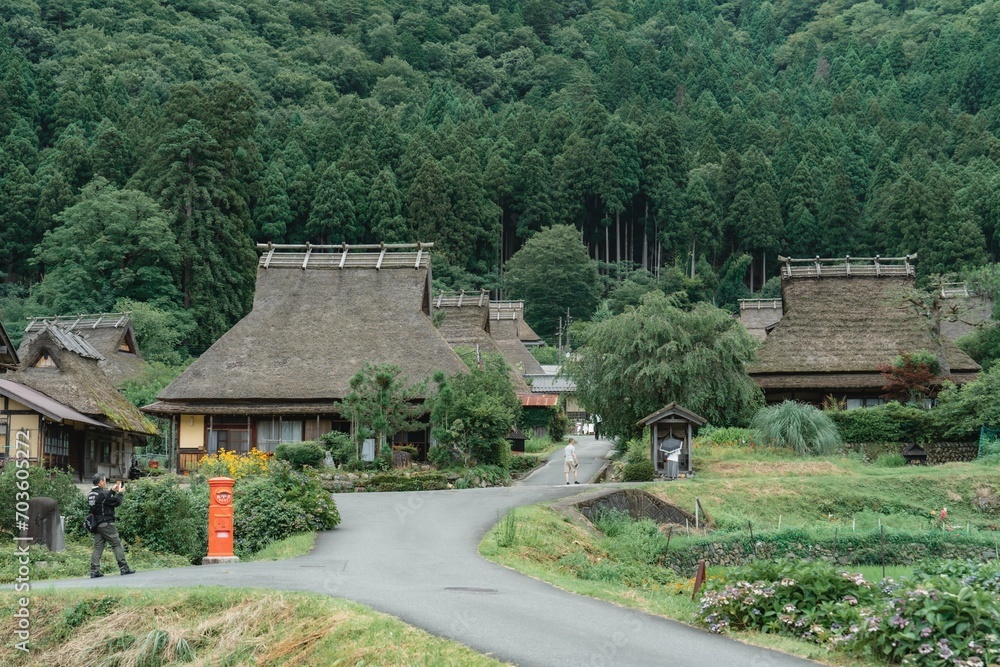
(75, 379)
(110, 335)
(312, 329)
(466, 324)
(836, 330)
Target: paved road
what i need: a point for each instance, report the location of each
(414, 555)
(591, 453)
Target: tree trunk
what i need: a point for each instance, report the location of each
(693, 240)
(607, 246)
(751, 273)
(618, 243)
(645, 239)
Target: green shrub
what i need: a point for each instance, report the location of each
(304, 489)
(638, 471)
(301, 454)
(430, 481)
(558, 427)
(536, 417)
(942, 618)
(891, 422)
(628, 540)
(890, 461)
(811, 600)
(341, 446)
(40, 482)
(261, 515)
(160, 515)
(802, 428)
(524, 463)
(727, 436)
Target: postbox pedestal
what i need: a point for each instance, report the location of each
(220, 522)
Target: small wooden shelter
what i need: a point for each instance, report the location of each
(671, 427)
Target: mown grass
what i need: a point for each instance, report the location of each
(74, 561)
(218, 626)
(763, 488)
(292, 546)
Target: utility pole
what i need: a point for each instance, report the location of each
(568, 321)
(559, 330)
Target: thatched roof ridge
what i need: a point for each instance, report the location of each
(509, 319)
(847, 325)
(467, 326)
(310, 331)
(77, 381)
(106, 334)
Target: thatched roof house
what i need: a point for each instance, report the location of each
(110, 334)
(64, 368)
(466, 324)
(841, 320)
(319, 314)
(512, 335)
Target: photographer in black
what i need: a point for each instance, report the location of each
(103, 502)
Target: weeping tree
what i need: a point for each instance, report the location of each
(633, 364)
(383, 402)
(802, 428)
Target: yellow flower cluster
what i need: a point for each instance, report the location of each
(237, 466)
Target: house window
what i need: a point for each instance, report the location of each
(227, 438)
(105, 451)
(272, 432)
(57, 443)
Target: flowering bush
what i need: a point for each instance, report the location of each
(931, 619)
(939, 622)
(231, 464)
(810, 600)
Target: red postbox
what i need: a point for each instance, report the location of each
(220, 521)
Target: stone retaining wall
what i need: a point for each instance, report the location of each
(638, 504)
(937, 452)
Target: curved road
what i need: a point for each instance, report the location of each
(415, 556)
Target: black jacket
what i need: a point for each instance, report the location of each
(103, 503)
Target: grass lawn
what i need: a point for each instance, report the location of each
(218, 626)
(738, 488)
(74, 561)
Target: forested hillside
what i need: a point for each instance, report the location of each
(145, 144)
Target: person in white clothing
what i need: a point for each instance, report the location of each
(571, 462)
(673, 457)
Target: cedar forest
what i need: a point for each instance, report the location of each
(146, 145)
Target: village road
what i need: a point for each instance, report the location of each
(414, 556)
(592, 454)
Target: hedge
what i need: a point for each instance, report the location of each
(861, 548)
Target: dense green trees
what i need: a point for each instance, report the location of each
(635, 363)
(554, 276)
(666, 134)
